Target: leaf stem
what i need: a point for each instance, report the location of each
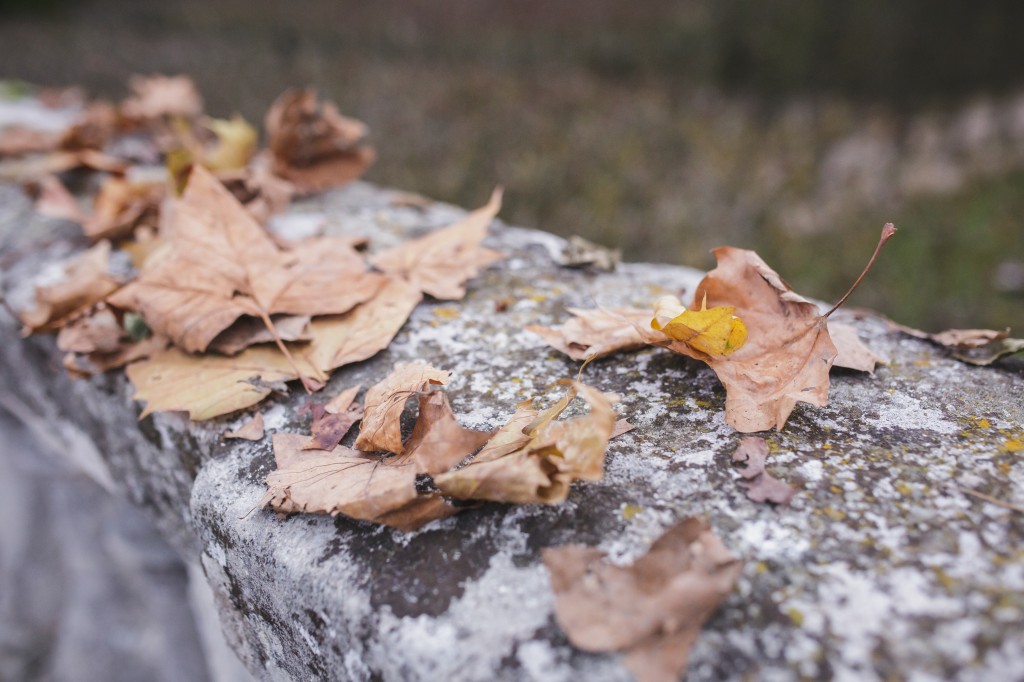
(888, 231)
(309, 384)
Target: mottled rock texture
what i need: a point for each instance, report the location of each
(880, 569)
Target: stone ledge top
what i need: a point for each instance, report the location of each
(879, 568)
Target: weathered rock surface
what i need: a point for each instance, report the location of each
(880, 569)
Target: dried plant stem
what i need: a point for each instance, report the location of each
(992, 500)
(309, 384)
(888, 231)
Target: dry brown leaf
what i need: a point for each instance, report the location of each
(381, 429)
(347, 482)
(96, 332)
(86, 282)
(330, 427)
(249, 331)
(341, 402)
(55, 201)
(653, 609)
(19, 140)
(156, 96)
(127, 352)
(583, 253)
(122, 205)
(979, 347)
(250, 430)
(788, 352)
(596, 332)
(313, 145)
(61, 161)
(220, 265)
(534, 458)
(261, 192)
(621, 426)
(209, 386)
(438, 442)
(852, 352)
(440, 263)
(364, 331)
(94, 128)
(761, 486)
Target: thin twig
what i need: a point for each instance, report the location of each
(888, 231)
(992, 500)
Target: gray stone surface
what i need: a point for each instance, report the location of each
(879, 570)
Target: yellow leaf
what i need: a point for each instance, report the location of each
(715, 331)
(236, 143)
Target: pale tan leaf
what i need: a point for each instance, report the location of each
(86, 281)
(157, 96)
(597, 332)
(364, 331)
(440, 263)
(252, 429)
(221, 265)
(341, 402)
(209, 386)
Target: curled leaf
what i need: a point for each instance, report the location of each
(313, 145)
(381, 429)
(534, 458)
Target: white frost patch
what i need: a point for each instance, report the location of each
(309, 640)
(29, 113)
(858, 612)
(517, 602)
(769, 540)
(274, 418)
(295, 226)
(540, 663)
(812, 470)
(919, 598)
(900, 410)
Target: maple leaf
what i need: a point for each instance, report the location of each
(979, 347)
(345, 481)
(761, 486)
(381, 428)
(86, 281)
(440, 263)
(209, 386)
(788, 350)
(652, 609)
(220, 265)
(595, 333)
(312, 144)
(535, 458)
(252, 429)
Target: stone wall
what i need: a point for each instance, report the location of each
(879, 569)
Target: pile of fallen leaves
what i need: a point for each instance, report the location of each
(215, 313)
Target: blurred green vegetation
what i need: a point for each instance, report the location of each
(666, 128)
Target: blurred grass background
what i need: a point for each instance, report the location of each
(666, 128)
